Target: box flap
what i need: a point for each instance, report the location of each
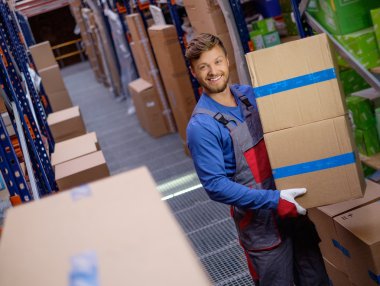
(140, 85)
(63, 115)
(79, 164)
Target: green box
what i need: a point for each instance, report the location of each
(375, 15)
(257, 39)
(271, 39)
(264, 26)
(362, 112)
(352, 81)
(363, 46)
(367, 141)
(344, 16)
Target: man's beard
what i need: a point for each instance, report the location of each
(215, 89)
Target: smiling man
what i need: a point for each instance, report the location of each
(226, 142)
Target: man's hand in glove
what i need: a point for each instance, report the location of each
(287, 206)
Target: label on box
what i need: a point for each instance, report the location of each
(84, 269)
(81, 192)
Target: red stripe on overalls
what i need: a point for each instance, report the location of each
(258, 161)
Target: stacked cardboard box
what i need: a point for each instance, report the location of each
(364, 122)
(174, 73)
(207, 17)
(91, 234)
(148, 71)
(51, 76)
(307, 132)
(66, 124)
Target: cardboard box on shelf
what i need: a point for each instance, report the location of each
(213, 22)
(337, 277)
(81, 170)
(59, 100)
(367, 141)
(148, 108)
(42, 54)
(319, 156)
(134, 23)
(359, 234)
(352, 81)
(74, 148)
(89, 234)
(175, 75)
(52, 79)
(66, 124)
(296, 83)
(323, 218)
(362, 112)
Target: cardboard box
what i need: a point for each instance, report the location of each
(60, 100)
(175, 75)
(140, 60)
(43, 56)
(276, 72)
(212, 22)
(323, 218)
(66, 124)
(359, 233)
(74, 148)
(52, 79)
(97, 225)
(134, 22)
(81, 170)
(336, 277)
(362, 112)
(148, 108)
(319, 156)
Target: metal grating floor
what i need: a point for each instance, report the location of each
(126, 146)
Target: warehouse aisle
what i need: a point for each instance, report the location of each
(126, 146)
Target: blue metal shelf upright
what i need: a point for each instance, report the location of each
(16, 82)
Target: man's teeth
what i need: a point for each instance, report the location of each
(215, 78)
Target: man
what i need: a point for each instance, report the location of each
(225, 139)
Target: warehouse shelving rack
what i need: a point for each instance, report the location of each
(28, 120)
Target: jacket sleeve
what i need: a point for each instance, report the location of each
(205, 144)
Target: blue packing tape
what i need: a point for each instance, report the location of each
(374, 277)
(294, 82)
(313, 166)
(341, 248)
(84, 269)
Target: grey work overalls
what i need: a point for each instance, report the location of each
(261, 232)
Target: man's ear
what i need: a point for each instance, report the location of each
(192, 71)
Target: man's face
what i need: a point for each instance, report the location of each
(211, 70)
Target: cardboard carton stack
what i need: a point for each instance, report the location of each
(174, 73)
(149, 75)
(51, 76)
(207, 17)
(91, 234)
(88, 41)
(264, 34)
(349, 235)
(307, 132)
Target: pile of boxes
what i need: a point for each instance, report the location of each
(148, 92)
(77, 158)
(350, 237)
(306, 128)
(51, 77)
(310, 144)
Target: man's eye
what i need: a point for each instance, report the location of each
(202, 67)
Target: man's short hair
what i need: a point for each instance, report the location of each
(202, 43)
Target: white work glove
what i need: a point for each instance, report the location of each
(287, 205)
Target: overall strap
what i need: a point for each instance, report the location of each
(227, 120)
